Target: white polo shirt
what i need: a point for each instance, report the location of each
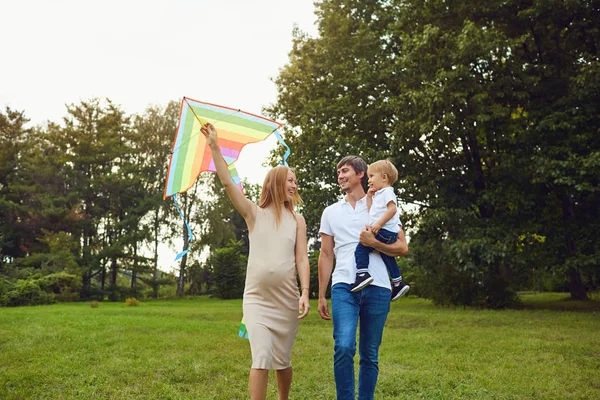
(381, 198)
(345, 223)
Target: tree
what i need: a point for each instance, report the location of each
(461, 96)
(154, 133)
(229, 266)
(14, 141)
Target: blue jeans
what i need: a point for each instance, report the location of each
(361, 254)
(371, 306)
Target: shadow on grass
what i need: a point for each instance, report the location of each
(557, 302)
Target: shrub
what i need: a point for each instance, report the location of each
(132, 302)
(229, 266)
(94, 304)
(27, 293)
(64, 286)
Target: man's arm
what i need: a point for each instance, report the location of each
(398, 248)
(324, 273)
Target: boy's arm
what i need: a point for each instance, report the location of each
(387, 215)
(398, 248)
(370, 193)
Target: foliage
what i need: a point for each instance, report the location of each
(132, 302)
(85, 196)
(489, 111)
(229, 270)
(24, 292)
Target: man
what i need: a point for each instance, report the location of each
(341, 226)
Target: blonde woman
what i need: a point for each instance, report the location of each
(278, 247)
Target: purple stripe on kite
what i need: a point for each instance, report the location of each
(231, 153)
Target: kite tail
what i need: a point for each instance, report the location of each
(190, 235)
(243, 333)
(287, 151)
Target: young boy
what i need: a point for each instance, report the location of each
(383, 218)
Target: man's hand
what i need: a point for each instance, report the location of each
(367, 237)
(323, 309)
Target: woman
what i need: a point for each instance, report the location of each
(272, 306)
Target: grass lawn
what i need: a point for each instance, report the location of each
(189, 349)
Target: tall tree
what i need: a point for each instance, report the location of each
(461, 96)
(15, 138)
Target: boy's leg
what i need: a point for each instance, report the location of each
(363, 278)
(374, 309)
(399, 288)
(388, 237)
(344, 312)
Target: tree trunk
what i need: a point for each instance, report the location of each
(133, 279)
(155, 275)
(113, 278)
(135, 268)
(103, 284)
(576, 287)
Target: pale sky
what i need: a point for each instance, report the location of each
(140, 53)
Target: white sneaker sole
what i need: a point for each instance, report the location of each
(402, 292)
(362, 285)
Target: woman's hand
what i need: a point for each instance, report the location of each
(210, 133)
(303, 305)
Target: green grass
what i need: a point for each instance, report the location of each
(189, 349)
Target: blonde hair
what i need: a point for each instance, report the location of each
(386, 167)
(274, 192)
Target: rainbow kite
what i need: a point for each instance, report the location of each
(191, 155)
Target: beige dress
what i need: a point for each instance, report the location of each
(271, 291)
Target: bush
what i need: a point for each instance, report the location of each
(27, 293)
(229, 266)
(132, 302)
(94, 304)
(457, 260)
(64, 286)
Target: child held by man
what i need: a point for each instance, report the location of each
(384, 221)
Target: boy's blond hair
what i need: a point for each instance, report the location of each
(386, 167)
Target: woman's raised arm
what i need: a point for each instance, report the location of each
(239, 200)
